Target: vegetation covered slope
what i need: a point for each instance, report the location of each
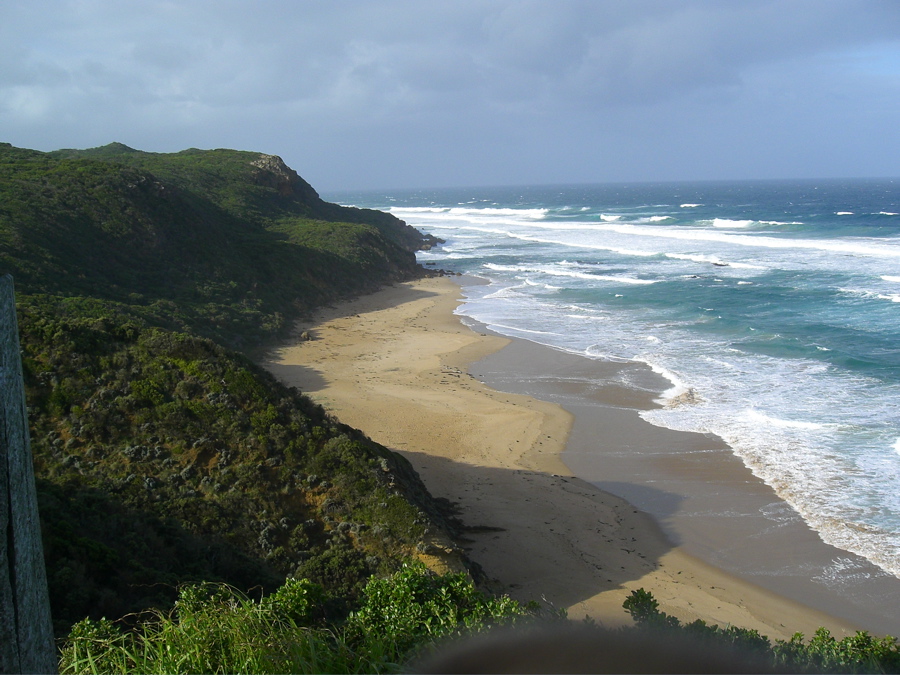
(162, 455)
(227, 244)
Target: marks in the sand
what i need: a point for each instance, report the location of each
(455, 378)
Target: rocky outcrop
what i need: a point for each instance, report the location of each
(274, 173)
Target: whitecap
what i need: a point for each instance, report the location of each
(849, 246)
(888, 213)
(890, 278)
(585, 317)
(725, 223)
(609, 218)
(690, 206)
(505, 268)
(713, 260)
(419, 209)
(564, 270)
(843, 213)
(470, 212)
(696, 258)
(675, 392)
(864, 293)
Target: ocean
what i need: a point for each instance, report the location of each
(772, 308)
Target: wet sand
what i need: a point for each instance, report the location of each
(397, 364)
(706, 500)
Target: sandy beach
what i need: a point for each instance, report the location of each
(396, 364)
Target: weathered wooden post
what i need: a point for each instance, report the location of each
(26, 630)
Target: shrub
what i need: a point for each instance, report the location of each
(414, 608)
(214, 629)
(859, 653)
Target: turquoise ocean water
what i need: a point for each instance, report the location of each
(777, 304)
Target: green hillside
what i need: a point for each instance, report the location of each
(227, 244)
(162, 453)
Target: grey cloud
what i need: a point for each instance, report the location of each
(505, 81)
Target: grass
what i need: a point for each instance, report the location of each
(214, 628)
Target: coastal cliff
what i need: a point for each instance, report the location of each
(163, 455)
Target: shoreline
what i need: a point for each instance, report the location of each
(395, 364)
(693, 486)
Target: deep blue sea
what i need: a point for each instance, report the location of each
(777, 303)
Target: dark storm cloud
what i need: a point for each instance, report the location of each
(403, 93)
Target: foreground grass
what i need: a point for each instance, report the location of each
(413, 614)
(216, 629)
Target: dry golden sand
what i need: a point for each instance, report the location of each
(395, 365)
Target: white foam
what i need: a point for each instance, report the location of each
(806, 450)
(585, 317)
(419, 209)
(530, 282)
(461, 212)
(690, 206)
(608, 218)
(593, 246)
(564, 271)
(700, 258)
(678, 388)
(888, 213)
(731, 224)
(872, 295)
(843, 213)
(713, 260)
(854, 246)
(500, 328)
(761, 418)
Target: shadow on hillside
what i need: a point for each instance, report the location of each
(542, 536)
(105, 557)
(308, 380)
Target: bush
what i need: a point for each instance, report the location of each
(414, 608)
(214, 629)
(859, 653)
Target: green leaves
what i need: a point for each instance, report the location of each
(214, 628)
(859, 653)
(414, 607)
(136, 274)
(220, 471)
(202, 240)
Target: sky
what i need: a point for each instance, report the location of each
(375, 94)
